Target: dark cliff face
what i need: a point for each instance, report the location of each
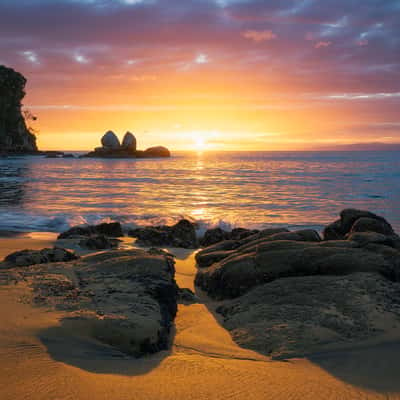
(15, 137)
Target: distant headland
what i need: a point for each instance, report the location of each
(15, 136)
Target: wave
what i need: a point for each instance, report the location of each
(20, 221)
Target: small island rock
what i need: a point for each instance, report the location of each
(129, 141)
(157, 151)
(110, 140)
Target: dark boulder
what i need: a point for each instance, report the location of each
(126, 299)
(245, 268)
(242, 233)
(25, 258)
(99, 242)
(216, 235)
(112, 229)
(299, 316)
(349, 217)
(213, 236)
(182, 234)
(367, 224)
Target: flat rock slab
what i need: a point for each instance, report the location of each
(295, 317)
(126, 299)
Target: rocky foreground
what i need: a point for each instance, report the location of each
(126, 299)
(295, 293)
(281, 293)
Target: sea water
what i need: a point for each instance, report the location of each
(227, 189)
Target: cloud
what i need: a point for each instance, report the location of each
(259, 36)
(322, 44)
(202, 58)
(31, 56)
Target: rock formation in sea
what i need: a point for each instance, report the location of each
(15, 137)
(294, 293)
(112, 148)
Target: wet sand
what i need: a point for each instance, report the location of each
(41, 360)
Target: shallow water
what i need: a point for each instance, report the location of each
(227, 189)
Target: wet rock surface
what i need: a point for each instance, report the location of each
(216, 235)
(112, 229)
(295, 293)
(182, 234)
(294, 317)
(352, 220)
(99, 242)
(26, 258)
(126, 299)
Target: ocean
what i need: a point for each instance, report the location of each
(226, 189)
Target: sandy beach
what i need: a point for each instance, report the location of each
(40, 359)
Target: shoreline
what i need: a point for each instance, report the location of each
(203, 361)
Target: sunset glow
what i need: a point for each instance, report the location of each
(265, 75)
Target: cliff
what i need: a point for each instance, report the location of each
(15, 137)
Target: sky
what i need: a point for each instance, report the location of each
(208, 74)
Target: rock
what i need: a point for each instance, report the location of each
(216, 235)
(99, 242)
(366, 224)
(262, 234)
(129, 142)
(157, 151)
(110, 140)
(298, 316)
(213, 236)
(349, 217)
(138, 303)
(242, 233)
(112, 229)
(308, 235)
(207, 259)
(182, 234)
(247, 267)
(26, 258)
(113, 149)
(125, 299)
(15, 136)
(365, 238)
(187, 296)
(249, 242)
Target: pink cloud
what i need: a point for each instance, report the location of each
(259, 36)
(363, 42)
(320, 45)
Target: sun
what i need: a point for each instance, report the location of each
(200, 143)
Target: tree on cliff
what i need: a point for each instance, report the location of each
(15, 137)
